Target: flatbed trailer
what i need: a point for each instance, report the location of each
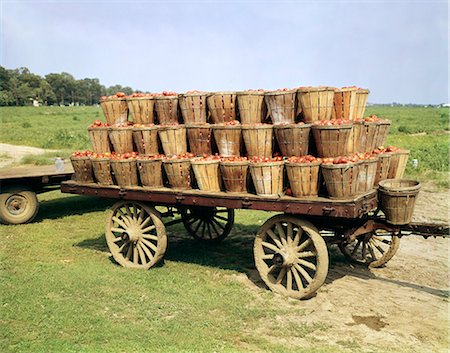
(290, 248)
(19, 186)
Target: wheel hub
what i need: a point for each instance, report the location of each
(287, 258)
(16, 204)
(132, 234)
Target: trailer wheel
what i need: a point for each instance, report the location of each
(18, 205)
(135, 234)
(373, 249)
(291, 256)
(208, 224)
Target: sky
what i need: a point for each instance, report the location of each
(397, 49)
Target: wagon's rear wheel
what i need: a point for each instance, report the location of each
(18, 205)
(373, 249)
(291, 256)
(209, 224)
(135, 234)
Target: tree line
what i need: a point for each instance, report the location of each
(21, 87)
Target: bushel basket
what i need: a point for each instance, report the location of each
(146, 139)
(206, 174)
(258, 139)
(150, 172)
(99, 137)
(268, 178)
(102, 170)
(234, 175)
(115, 111)
(303, 178)
(341, 180)
(167, 109)
(82, 167)
(344, 103)
(332, 141)
(366, 175)
(122, 139)
(142, 109)
(252, 108)
(282, 106)
(193, 108)
(222, 106)
(125, 172)
(293, 139)
(173, 139)
(315, 103)
(228, 139)
(397, 199)
(178, 173)
(199, 137)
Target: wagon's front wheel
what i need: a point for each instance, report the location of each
(291, 256)
(208, 224)
(373, 249)
(135, 234)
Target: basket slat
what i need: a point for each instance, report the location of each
(102, 170)
(150, 172)
(178, 173)
(258, 140)
(122, 139)
(360, 103)
(193, 108)
(199, 137)
(303, 178)
(99, 137)
(293, 139)
(115, 111)
(222, 106)
(82, 167)
(125, 172)
(173, 139)
(228, 140)
(142, 109)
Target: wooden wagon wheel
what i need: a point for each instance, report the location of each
(373, 249)
(135, 234)
(291, 256)
(209, 224)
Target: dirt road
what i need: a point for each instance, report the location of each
(11, 154)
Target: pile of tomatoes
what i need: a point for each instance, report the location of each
(304, 159)
(78, 154)
(257, 159)
(128, 155)
(98, 123)
(234, 159)
(333, 122)
(150, 157)
(181, 156)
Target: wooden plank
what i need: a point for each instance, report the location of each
(35, 171)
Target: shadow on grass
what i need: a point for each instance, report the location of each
(71, 205)
(236, 253)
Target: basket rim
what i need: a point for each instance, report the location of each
(229, 127)
(92, 128)
(80, 158)
(256, 126)
(222, 93)
(368, 161)
(341, 165)
(118, 128)
(166, 97)
(102, 159)
(234, 162)
(183, 95)
(113, 99)
(123, 160)
(401, 151)
(276, 93)
(138, 128)
(363, 90)
(198, 125)
(251, 93)
(292, 125)
(140, 98)
(304, 164)
(159, 159)
(385, 122)
(315, 89)
(346, 89)
(383, 187)
(267, 164)
(196, 160)
(171, 127)
(332, 127)
(174, 160)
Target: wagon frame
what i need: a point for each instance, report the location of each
(290, 248)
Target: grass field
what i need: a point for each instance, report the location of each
(422, 130)
(61, 292)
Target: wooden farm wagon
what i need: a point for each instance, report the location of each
(290, 248)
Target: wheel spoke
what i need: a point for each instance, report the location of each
(281, 275)
(281, 233)
(372, 253)
(297, 236)
(267, 256)
(117, 239)
(209, 231)
(135, 212)
(297, 278)
(203, 229)
(141, 216)
(130, 248)
(198, 226)
(120, 222)
(356, 247)
(307, 264)
(144, 224)
(219, 224)
(118, 230)
(129, 213)
(275, 238)
(149, 229)
(121, 214)
(220, 217)
(303, 245)
(305, 274)
(379, 248)
(149, 244)
(364, 250)
(304, 254)
(141, 254)
(135, 254)
(150, 236)
(289, 280)
(213, 227)
(147, 251)
(290, 239)
(221, 211)
(122, 247)
(270, 246)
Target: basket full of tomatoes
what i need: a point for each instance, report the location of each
(115, 108)
(267, 175)
(82, 166)
(303, 174)
(332, 137)
(142, 108)
(124, 168)
(341, 176)
(234, 171)
(98, 134)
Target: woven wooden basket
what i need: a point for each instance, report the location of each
(228, 139)
(115, 110)
(344, 103)
(234, 175)
(258, 139)
(102, 170)
(222, 106)
(371, 131)
(142, 109)
(357, 139)
(268, 178)
(332, 141)
(100, 139)
(382, 133)
(303, 178)
(167, 109)
(122, 139)
(206, 174)
(125, 172)
(150, 172)
(383, 164)
(173, 139)
(252, 108)
(193, 108)
(146, 139)
(82, 167)
(366, 176)
(316, 103)
(397, 164)
(199, 137)
(178, 173)
(397, 199)
(282, 106)
(341, 180)
(360, 103)
(293, 139)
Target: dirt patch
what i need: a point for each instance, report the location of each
(15, 153)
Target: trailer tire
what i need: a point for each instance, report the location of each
(18, 205)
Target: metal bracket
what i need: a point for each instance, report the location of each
(246, 203)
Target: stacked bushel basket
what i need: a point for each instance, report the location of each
(308, 142)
